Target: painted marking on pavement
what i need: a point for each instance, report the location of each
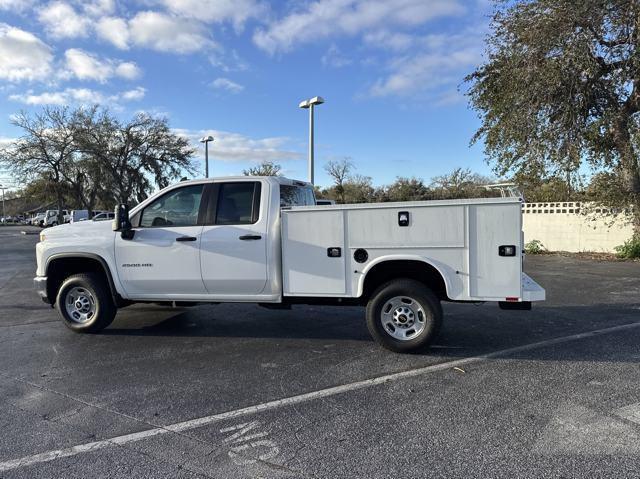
(242, 442)
(630, 412)
(288, 401)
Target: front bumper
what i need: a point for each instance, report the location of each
(40, 285)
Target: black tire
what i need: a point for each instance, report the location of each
(424, 317)
(96, 293)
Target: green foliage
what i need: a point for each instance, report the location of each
(547, 189)
(630, 249)
(88, 158)
(560, 87)
(349, 187)
(607, 189)
(407, 189)
(266, 168)
(534, 247)
(460, 183)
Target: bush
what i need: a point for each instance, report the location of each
(630, 249)
(534, 247)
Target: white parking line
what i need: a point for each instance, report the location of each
(279, 403)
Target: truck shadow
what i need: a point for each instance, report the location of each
(466, 330)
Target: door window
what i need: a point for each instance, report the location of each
(238, 203)
(179, 207)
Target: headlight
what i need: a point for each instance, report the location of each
(42, 236)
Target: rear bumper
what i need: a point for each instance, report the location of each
(531, 291)
(40, 285)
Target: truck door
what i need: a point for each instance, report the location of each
(163, 258)
(233, 251)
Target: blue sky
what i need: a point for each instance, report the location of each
(389, 71)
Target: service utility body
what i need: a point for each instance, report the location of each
(265, 240)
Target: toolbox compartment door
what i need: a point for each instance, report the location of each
(307, 267)
(494, 276)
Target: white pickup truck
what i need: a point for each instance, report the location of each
(51, 218)
(264, 240)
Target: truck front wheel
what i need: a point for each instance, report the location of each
(85, 303)
(404, 315)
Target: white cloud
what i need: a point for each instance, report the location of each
(83, 96)
(60, 20)
(438, 64)
(114, 30)
(46, 98)
(330, 18)
(334, 58)
(227, 61)
(23, 56)
(99, 8)
(234, 147)
(236, 11)
(87, 66)
(165, 33)
(134, 95)
(226, 84)
(389, 40)
(16, 5)
(128, 70)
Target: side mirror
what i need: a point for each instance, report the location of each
(122, 223)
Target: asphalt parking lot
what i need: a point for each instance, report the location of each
(235, 391)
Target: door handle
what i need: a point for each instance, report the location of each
(186, 238)
(250, 237)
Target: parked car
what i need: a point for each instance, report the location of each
(37, 219)
(104, 216)
(230, 240)
(78, 215)
(322, 202)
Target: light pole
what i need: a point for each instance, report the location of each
(3, 212)
(206, 140)
(309, 104)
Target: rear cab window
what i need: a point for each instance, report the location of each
(296, 195)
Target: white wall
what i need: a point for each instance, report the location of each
(566, 227)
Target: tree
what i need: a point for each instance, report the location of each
(44, 151)
(561, 86)
(606, 188)
(460, 183)
(547, 189)
(87, 156)
(132, 156)
(266, 168)
(339, 170)
(407, 189)
(358, 189)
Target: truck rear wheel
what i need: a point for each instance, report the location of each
(404, 315)
(85, 303)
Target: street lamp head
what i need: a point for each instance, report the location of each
(316, 100)
(206, 139)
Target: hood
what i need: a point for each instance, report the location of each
(80, 228)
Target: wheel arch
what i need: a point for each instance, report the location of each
(387, 268)
(62, 265)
